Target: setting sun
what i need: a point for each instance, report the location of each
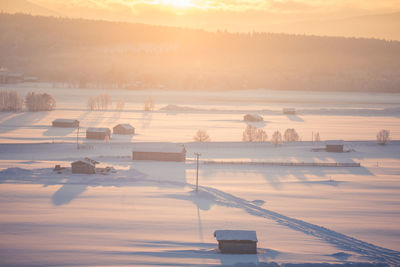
(177, 3)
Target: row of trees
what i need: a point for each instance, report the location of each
(99, 102)
(252, 134)
(12, 101)
(104, 102)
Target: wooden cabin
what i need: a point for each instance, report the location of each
(160, 153)
(65, 123)
(289, 111)
(85, 166)
(334, 146)
(98, 133)
(124, 128)
(253, 118)
(236, 241)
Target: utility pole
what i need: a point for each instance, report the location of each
(77, 138)
(197, 171)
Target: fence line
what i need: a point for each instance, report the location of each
(290, 164)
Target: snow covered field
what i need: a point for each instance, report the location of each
(147, 214)
(350, 116)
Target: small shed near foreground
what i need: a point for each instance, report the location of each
(236, 241)
(85, 166)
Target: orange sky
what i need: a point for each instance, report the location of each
(289, 16)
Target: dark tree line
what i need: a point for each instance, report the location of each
(12, 101)
(79, 52)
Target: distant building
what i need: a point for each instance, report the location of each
(98, 133)
(65, 123)
(8, 77)
(124, 129)
(30, 79)
(85, 166)
(253, 118)
(334, 146)
(169, 153)
(289, 111)
(236, 241)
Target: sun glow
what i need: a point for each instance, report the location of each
(178, 3)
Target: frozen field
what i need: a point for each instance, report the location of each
(146, 214)
(350, 116)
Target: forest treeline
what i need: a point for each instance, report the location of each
(86, 53)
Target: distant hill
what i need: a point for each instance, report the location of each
(24, 6)
(382, 26)
(138, 56)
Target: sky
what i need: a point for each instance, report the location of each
(318, 17)
(241, 14)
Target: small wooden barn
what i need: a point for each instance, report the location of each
(236, 241)
(124, 128)
(85, 166)
(167, 153)
(66, 123)
(252, 118)
(98, 133)
(334, 146)
(289, 111)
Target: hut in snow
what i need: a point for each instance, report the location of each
(98, 133)
(65, 123)
(289, 111)
(236, 241)
(85, 166)
(160, 153)
(124, 129)
(334, 146)
(253, 118)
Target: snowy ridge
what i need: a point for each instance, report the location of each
(369, 251)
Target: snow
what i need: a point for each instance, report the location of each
(98, 130)
(149, 214)
(64, 120)
(334, 142)
(237, 235)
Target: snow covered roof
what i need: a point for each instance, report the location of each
(65, 120)
(87, 161)
(153, 147)
(334, 142)
(98, 130)
(253, 117)
(125, 125)
(288, 109)
(238, 235)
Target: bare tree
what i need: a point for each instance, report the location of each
(276, 138)
(252, 134)
(39, 102)
(149, 105)
(201, 136)
(291, 135)
(383, 137)
(120, 104)
(10, 101)
(91, 103)
(317, 137)
(100, 102)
